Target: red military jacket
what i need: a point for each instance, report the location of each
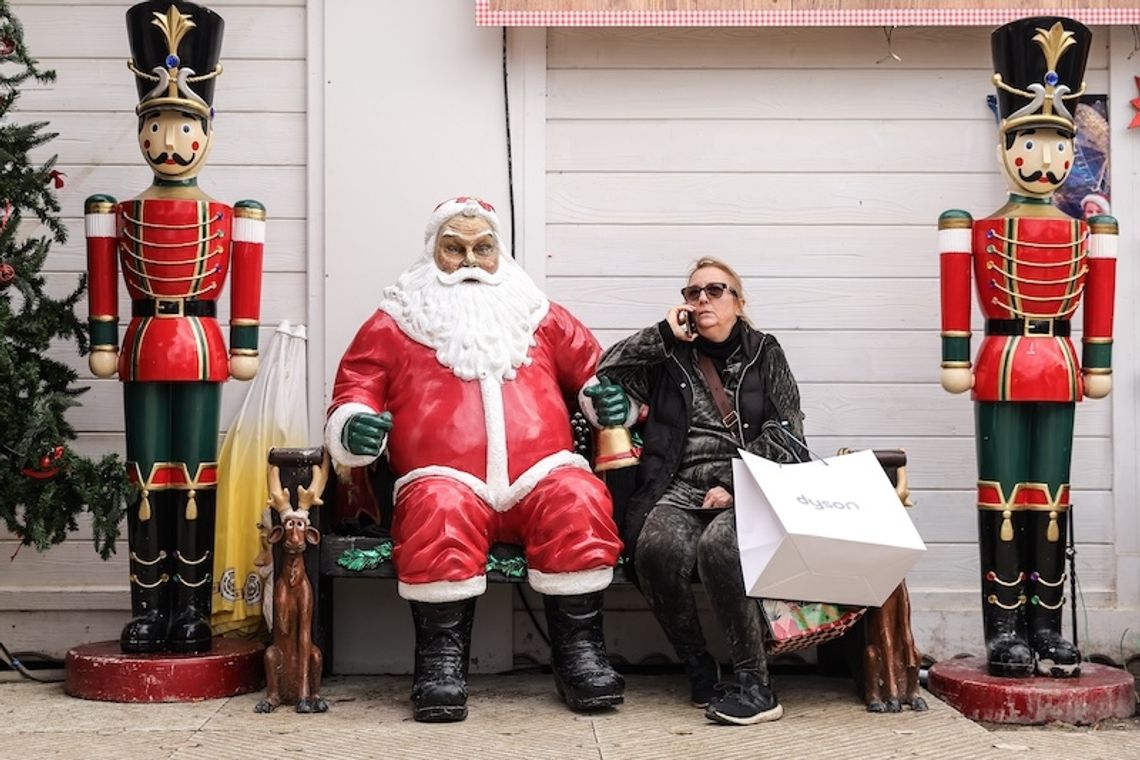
(1031, 273)
(175, 255)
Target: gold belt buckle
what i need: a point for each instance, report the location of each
(1032, 328)
(169, 307)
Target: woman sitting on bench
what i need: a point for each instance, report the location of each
(713, 384)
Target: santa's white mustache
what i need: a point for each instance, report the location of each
(467, 274)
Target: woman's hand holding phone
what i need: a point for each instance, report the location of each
(682, 321)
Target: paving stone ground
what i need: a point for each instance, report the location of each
(519, 716)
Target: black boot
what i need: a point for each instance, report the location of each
(704, 676)
(193, 572)
(150, 575)
(1000, 533)
(750, 701)
(1056, 657)
(443, 651)
(582, 671)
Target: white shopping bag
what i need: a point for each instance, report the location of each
(829, 530)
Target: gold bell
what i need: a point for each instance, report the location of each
(614, 449)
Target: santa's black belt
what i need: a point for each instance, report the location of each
(1058, 327)
(173, 307)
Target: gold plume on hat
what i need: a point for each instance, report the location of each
(174, 26)
(1054, 43)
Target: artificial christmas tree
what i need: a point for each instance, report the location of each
(44, 483)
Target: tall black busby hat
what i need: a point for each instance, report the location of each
(1039, 69)
(175, 48)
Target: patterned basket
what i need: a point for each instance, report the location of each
(799, 625)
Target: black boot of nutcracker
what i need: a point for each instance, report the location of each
(1000, 534)
(1056, 657)
(193, 565)
(149, 528)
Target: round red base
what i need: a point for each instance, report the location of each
(1100, 692)
(101, 671)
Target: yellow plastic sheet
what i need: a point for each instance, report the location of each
(274, 413)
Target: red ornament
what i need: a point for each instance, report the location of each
(57, 176)
(1135, 104)
(47, 467)
(7, 275)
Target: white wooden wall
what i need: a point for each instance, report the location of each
(259, 152)
(818, 170)
(793, 154)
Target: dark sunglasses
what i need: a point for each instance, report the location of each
(692, 293)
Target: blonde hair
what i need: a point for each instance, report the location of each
(733, 280)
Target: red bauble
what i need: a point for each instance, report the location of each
(7, 275)
(47, 467)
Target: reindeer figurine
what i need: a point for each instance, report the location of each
(890, 658)
(293, 661)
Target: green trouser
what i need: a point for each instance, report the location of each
(1024, 452)
(172, 432)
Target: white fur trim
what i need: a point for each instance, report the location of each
(1102, 245)
(955, 240)
(442, 471)
(335, 427)
(586, 404)
(99, 225)
(443, 591)
(496, 427)
(568, 584)
(503, 499)
(248, 230)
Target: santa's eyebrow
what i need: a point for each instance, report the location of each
(452, 233)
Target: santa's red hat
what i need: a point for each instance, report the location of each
(464, 205)
(1100, 201)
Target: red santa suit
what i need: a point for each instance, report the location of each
(481, 460)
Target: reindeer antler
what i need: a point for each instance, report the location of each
(311, 496)
(278, 496)
(902, 489)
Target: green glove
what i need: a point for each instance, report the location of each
(610, 403)
(364, 433)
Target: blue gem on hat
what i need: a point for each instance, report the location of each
(172, 61)
(1051, 78)
(211, 112)
(990, 234)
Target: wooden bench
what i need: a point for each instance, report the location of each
(347, 554)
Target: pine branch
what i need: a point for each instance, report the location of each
(44, 482)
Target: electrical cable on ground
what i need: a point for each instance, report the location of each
(14, 663)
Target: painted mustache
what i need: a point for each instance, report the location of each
(1039, 174)
(163, 158)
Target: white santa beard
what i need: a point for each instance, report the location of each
(480, 329)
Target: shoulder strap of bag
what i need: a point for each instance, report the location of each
(716, 388)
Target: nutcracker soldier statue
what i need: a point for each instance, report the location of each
(175, 246)
(1033, 266)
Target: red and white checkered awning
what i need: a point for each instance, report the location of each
(790, 12)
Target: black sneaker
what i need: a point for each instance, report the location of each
(704, 673)
(751, 700)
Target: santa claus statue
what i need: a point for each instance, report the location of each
(462, 378)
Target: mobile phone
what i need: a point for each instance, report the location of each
(690, 323)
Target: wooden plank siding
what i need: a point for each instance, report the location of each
(819, 172)
(259, 152)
